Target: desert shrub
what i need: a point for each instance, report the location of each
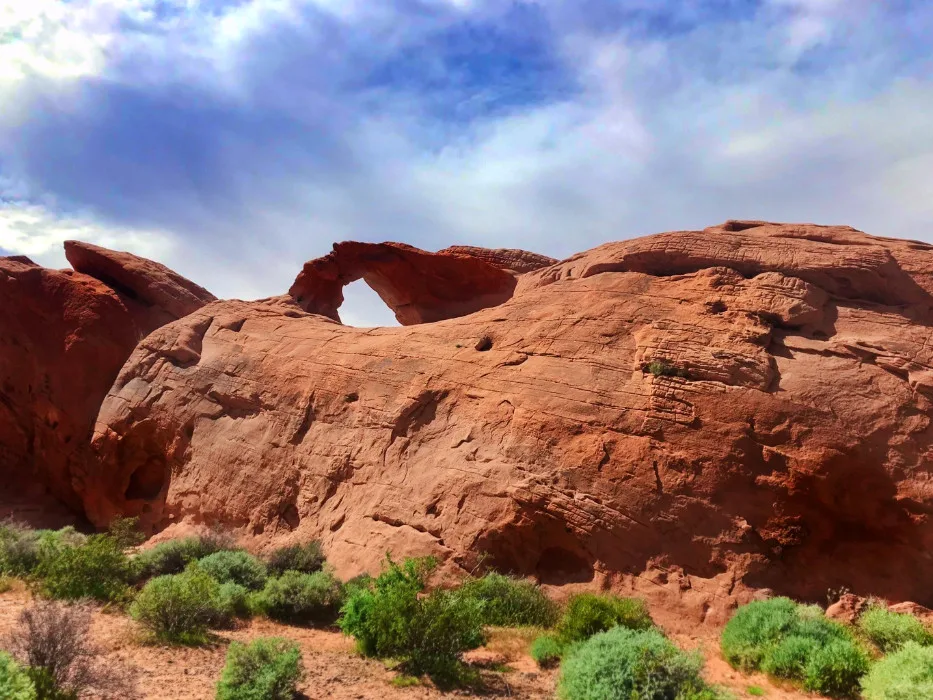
(180, 608)
(15, 684)
(302, 598)
(267, 669)
(362, 581)
(51, 641)
(662, 368)
(795, 642)
(19, 549)
(907, 674)
(233, 602)
(755, 628)
(445, 627)
(788, 658)
(588, 614)
(6, 583)
(510, 602)
(237, 567)
(306, 558)
(626, 664)
(126, 532)
(546, 651)
(172, 556)
(95, 568)
(391, 619)
(889, 631)
(836, 668)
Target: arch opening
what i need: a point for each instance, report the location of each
(362, 307)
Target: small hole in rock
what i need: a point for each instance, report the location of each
(484, 344)
(290, 516)
(351, 397)
(717, 307)
(147, 481)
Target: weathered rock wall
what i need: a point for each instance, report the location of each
(782, 439)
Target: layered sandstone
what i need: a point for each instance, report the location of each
(64, 335)
(694, 414)
(420, 287)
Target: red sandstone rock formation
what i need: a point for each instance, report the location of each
(63, 338)
(420, 287)
(691, 415)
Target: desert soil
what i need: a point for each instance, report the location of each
(333, 669)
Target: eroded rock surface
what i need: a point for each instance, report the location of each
(420, 287)
(64, 336)
(692, 415)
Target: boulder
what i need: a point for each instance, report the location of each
(692, 416)
(63, 337)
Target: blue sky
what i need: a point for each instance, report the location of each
(234, 139)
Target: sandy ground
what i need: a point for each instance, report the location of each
(334, 671)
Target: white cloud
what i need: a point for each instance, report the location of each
(33, 230)
(662, 132)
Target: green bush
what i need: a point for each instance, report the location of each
(546, 651)
(392, 619)
(588, 614)
(180, 608)
(306, 558)
(45, 686)
(96, 568)
(889, 631)
(907, 674)
(172, 556)
(15, 684)
(19, 550)
(126, 532)
(510, 602)
(624, 664)
(302, 598)
(795, 642)
(755, 628)
(236, 567)
(788, 658)
(267, 669)
(233, 602)
(836, 668)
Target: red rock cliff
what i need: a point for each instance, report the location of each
(692, 415)
(63, 337)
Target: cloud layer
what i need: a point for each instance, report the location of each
(234, 139)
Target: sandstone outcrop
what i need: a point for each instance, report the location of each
(64, 336)
(693, 414)
(420, 287)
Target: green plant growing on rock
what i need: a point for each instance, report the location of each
(662, 368)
